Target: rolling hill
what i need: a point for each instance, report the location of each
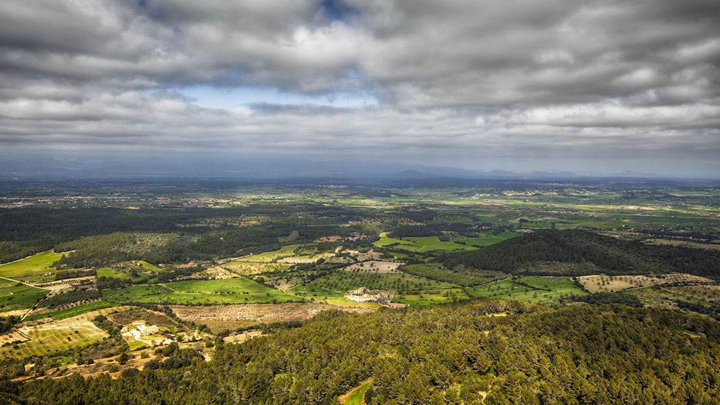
(578, 252)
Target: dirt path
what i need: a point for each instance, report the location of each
(356, 396)
(22, 282)
(483, 395)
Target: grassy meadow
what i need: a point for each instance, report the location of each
(428, 298)
(199, 292)
(433, 243)
(528, 289)
(109, 272)
(30, 266)
(418, 243)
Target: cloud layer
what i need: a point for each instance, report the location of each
(627, 84)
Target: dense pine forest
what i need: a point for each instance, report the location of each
(450, 354)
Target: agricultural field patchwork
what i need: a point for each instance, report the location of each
(188, 268)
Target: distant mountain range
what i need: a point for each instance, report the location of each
(258, 168)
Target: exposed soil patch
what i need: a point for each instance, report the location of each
(216, 273)
(362, 256)
(139, 314)
(17, 312)
(225, 317)
(375, 266)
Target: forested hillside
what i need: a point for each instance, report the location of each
(610, 255)
(105, 235)
(444, 355)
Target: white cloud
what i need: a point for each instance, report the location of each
(461, 76)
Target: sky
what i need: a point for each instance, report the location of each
(556, 85)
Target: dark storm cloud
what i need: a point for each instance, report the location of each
(457, 80)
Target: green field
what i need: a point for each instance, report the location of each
(70, 312)
(31, 265)
(357, 396)
(433, 243)
(147, 266)
(109, 272)
(418, 244)
(431, 298)
(14, 295)
(507, 289)
(198, 292)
